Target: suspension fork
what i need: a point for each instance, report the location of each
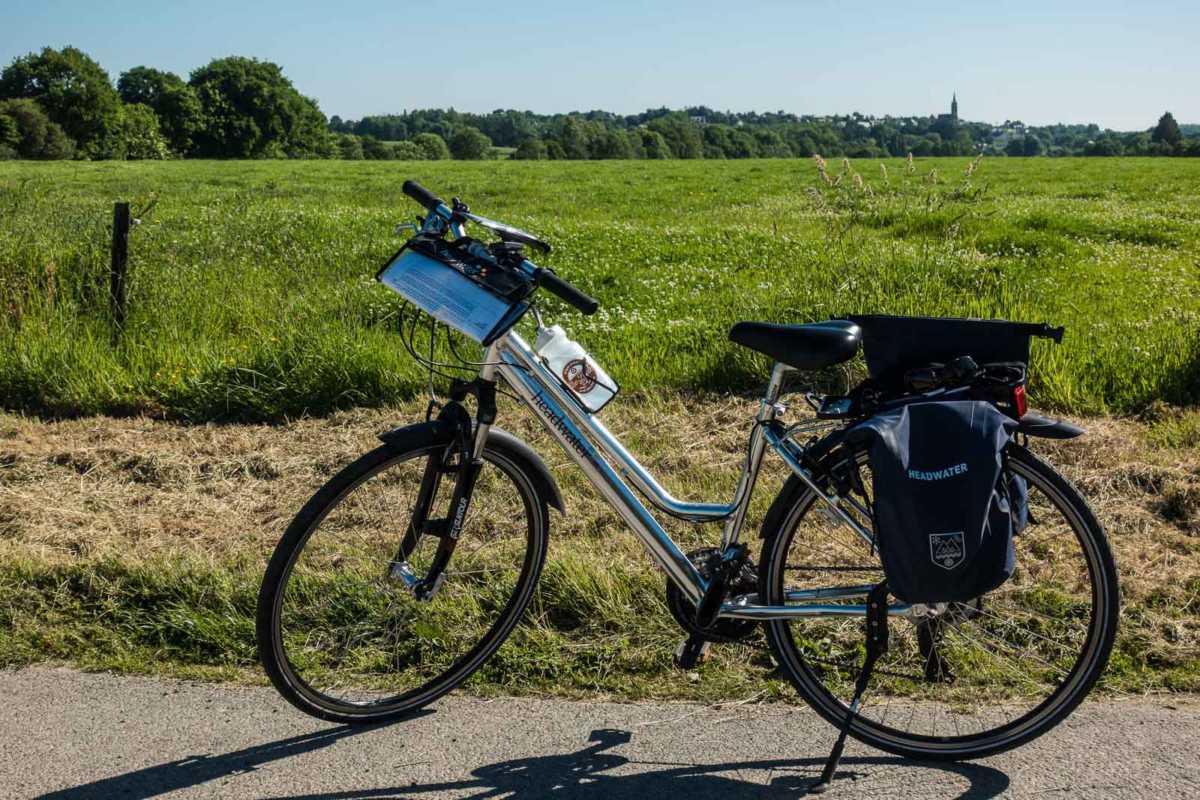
(468, 444)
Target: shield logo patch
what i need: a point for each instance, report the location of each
(947, 550)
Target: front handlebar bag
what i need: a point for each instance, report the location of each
(460, 284)
(943, 506)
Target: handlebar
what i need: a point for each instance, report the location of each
(422, 195)
(541, 276)
(565, 291)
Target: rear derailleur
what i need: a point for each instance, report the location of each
(729, 574)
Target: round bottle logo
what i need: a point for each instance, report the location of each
(579, 375)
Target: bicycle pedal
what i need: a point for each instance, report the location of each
(690, 652)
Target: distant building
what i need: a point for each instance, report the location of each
(952, 117)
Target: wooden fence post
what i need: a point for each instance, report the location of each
(118, 291)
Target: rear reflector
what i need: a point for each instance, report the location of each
(1020, 402)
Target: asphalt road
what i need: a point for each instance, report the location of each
(64, 734)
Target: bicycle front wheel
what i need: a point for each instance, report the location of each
(960, 680)
(343, 637)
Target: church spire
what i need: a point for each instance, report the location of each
(954, 106)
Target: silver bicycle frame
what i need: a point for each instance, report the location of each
(611, 469)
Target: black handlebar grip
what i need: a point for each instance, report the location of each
(422, 195)
(566, 292)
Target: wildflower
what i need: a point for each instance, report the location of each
(822, 168)
(883, 171)
(974, 165)
(909, 166)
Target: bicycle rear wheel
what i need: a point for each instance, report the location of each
(342, 637)
(960, 680)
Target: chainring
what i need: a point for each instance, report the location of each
(684, 610)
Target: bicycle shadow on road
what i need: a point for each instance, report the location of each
(582, 774)
(195, 770)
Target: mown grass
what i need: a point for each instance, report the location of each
(138, 546)
(253, 298)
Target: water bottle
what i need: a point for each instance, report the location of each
(579, 374)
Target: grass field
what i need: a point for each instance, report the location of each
(252, 295)
(138, 545)
(136, 540)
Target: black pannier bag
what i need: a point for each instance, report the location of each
(944, 510)
(895, 345)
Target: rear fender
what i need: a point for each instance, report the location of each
(1034, 424)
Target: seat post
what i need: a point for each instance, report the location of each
(767, 411)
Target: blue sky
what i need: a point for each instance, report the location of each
(1120, 64)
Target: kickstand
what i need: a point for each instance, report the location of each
(877, 645)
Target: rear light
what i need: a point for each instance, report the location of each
(1020, 401)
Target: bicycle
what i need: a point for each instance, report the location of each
(376, 603)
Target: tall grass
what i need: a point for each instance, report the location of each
(252, 295)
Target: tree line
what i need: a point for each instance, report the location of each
(59, 104)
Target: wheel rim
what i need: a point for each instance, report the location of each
(354, 641)
(1008, 682)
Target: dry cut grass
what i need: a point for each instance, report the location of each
(137, 544)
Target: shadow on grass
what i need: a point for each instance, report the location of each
(585, 773)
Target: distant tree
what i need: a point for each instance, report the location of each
(470, 144)
(1167, 130)
(574, 138)
(10, 136)
(407, 151)
(1015, 146)
(74, 91)
(141, 135)
(554, 150)
(374, 149)
(174, 102)
(682, 135)
(634, 140)
(433, 146)
(36, 136)
(717, 141)
(1106, 146)
(742, 145)
(655, 144)
(252, 110)
(349, 147)
(770, 144)
(530, 150)
(1033, 146)
(612, 144)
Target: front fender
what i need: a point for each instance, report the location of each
(499, 440)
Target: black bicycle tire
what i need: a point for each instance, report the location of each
(1097, 647)
(401, 445)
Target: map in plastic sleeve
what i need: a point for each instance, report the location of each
(445, 294)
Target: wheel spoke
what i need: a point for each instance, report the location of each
(352, 637)
(1005, 655)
